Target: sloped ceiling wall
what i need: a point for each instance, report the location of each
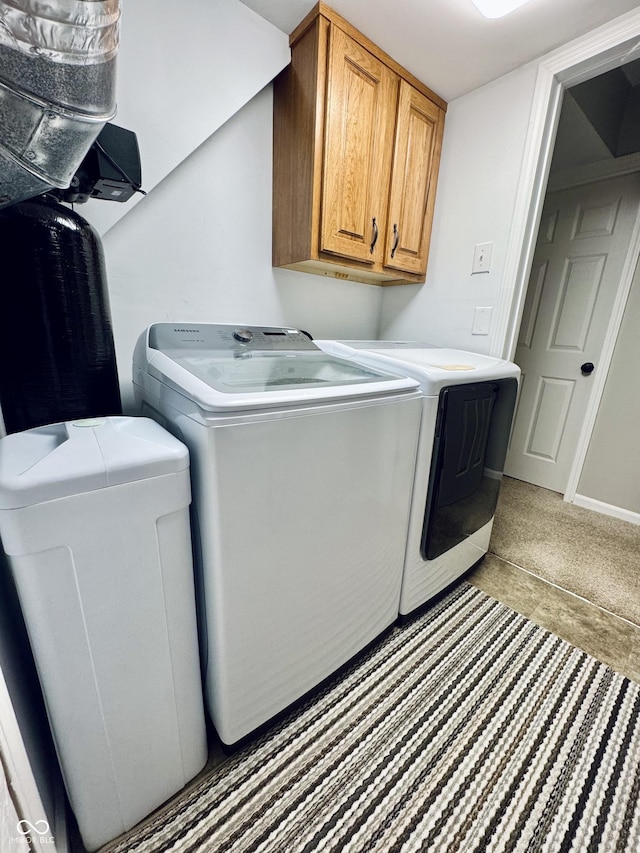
(183, 70)
(610, 102)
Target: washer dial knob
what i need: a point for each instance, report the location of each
(245, 336)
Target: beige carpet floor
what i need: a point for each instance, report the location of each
(586, 553)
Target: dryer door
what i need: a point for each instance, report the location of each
(467, 417)
(472, 434)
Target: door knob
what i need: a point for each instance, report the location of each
(587, 368)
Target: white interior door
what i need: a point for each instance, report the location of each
(582, 246)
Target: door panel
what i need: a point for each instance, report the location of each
(550, 410)
(412, 195)
(532, 304)
(581, 249)
(597, 220)
(580, 286)
(361, 107)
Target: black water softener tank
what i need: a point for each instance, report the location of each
(57, 355)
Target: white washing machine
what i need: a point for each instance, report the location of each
(467, 411)
(302, 467)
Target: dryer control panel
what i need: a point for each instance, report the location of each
(227, 337)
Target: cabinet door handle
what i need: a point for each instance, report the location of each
(374, 236)
(396, 239)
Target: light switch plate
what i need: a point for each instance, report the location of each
(482, 258)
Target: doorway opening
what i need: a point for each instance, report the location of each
(572, 98)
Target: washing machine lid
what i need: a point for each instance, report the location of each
(229, 368)
(433, 367)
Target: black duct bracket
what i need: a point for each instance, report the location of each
(111, 169)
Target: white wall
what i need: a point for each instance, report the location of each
(199, 249)
(198, 246)
(482, 155)
(181, 74)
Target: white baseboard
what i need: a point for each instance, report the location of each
(607, 509)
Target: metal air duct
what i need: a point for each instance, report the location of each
(57, 89)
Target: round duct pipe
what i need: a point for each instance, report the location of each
(57, 89)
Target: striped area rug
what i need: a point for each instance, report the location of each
(468, 729)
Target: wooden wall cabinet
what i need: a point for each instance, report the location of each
(357, 143)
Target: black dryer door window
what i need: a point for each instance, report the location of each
(461, 496)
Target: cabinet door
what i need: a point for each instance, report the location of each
(360, 119)
(416, 159)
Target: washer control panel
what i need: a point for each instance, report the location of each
(224, 337)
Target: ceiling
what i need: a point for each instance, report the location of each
(448, 44)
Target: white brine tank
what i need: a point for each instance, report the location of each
(302, 465)
(94, 519)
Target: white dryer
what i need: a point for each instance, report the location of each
(467, 411)
(302, 466)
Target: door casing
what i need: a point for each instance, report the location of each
(608, 47)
